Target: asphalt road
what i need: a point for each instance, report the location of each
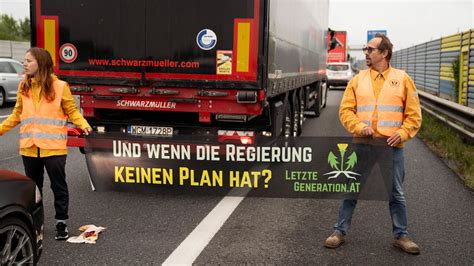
(147, 228)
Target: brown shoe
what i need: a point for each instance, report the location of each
(407, 245)
(334, 240)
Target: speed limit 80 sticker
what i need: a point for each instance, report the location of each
(68, 53)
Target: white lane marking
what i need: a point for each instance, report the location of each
(8, 158)
(187, 252)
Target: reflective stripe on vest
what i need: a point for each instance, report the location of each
(388, 124)
(386, 111)
(365, 108)
(44, 121)
(43, 135)
(44, 126)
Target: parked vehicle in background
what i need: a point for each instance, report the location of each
(21, 219)
(339, 74)
(11, 73)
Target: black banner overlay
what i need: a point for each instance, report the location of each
(302, 167)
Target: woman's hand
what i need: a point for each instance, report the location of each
(87, 130)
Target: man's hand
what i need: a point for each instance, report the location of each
(87, 130)
(367, 131)
(394, 139)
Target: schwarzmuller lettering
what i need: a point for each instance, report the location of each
(146, 104)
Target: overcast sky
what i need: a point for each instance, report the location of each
(408, 22)
(19, 9)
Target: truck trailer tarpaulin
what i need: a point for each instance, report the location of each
(230, 70)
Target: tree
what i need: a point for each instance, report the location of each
(11, 29)
(25, 29)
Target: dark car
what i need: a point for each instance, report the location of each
(21, 219)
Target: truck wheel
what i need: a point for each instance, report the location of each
(297, 113)
(287, 119)
(316, 108)
(314, 102)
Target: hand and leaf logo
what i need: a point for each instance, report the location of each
(340, 167)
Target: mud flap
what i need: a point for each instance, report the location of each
(315, 109)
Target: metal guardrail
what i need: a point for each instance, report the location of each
(458, 117)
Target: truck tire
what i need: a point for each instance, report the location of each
(314, 101)
(287, 118)
(316, 108)
(298, 115)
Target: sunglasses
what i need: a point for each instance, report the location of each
(369, 50)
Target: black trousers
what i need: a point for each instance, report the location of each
(56, 169)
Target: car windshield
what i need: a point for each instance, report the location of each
(338, 67)
(18, 67)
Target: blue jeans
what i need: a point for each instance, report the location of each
(397, 203)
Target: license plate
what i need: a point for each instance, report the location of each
(150, 131)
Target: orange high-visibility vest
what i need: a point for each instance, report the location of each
(44, 126)
(384, 114)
